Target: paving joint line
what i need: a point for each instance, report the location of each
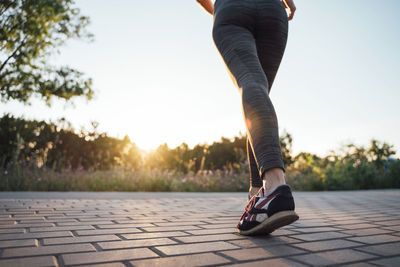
(59, 260)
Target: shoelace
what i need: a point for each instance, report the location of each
(249, 206)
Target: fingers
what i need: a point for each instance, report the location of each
(292, 8)
(292, 13)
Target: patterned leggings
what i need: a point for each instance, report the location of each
(251, 37)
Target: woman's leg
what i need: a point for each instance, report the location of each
(235, 34)
(271, 33)
(237, 45)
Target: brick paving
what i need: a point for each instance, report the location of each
(350, 228)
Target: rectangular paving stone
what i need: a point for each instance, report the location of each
(154, 235)
(150, 220)
(271, 263)
(265, 252)
(94, 219)
(283, 231)
(21, 212)
(213, 231)
(25, 216)
(204, 238)
(34, 235)
(390, 249)
(44, 261)
(108, 231)
(125, 225)
(18, 243)
(136, 243)
(72, 223)
(385, 219)
(389, 223)
(79, 239)
(344, 222)
(315, 229)
(262, 242)
(333, 257)
(187, 260)
(179, 223)
(46, 250)
(283, 250)
(7, 222)
(360, 264)
(375, 239)
(248, 254)
(170, 228)
(59, 220)
(392, 228)
(319, 236)
(302, 223)
(12, 231)
(234, 221)
(217, 225)
(327, 244)
(40, 220)
(107, 256)
(57, 216)
(112, 264)
(368, 231)
(26, 225)
(357, 226)
(60, 228)
(195, 248)
(233, 218)
(388, 262)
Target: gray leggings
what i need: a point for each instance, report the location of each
(251, 37)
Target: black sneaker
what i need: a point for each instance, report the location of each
(266, 212)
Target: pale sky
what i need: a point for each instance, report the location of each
(159, 78)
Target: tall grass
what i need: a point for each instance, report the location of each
(30, 178)
(308, 175)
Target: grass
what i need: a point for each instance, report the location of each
(29, 178)
(337, 175)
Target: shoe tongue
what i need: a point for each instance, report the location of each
(268, 192)
(263, 192)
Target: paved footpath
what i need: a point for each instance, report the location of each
(353, 228)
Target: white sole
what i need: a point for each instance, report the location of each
(272, 223)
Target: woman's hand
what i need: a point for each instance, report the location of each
(207, 5)
(292, 8)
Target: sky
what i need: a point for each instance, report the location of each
(159, 78)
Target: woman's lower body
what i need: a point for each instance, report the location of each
(251, 37)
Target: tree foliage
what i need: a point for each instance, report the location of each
(59, 146)
(354, 167)
(30, 31)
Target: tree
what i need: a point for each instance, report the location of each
(30, 31)
(380, 152)
(286, 141)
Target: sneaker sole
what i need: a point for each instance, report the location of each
(272, 223)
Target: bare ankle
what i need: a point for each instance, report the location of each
(273, 178)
